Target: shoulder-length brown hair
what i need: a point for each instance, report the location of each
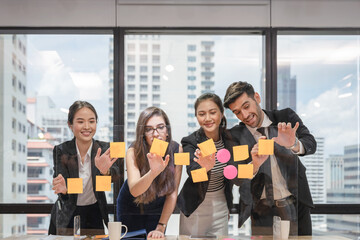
(164, 183)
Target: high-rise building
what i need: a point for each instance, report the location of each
(13, 124)
(315, 172)
(43, 112)
(286, 85)
(345, 190)
(40, 175)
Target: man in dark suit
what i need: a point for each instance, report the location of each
(279, 186)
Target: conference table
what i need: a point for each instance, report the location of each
(182, 237)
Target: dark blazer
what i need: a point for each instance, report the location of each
(66, 163)
(290, 165)
(193, 194)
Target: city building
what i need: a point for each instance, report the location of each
(315, 172)
(13, 125)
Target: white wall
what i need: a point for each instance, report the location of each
(194, 13)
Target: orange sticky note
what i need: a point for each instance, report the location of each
(266, 147)
(199, 175)
(103, 183)
(245, 170)
(75, 185)
(241, 152)
(117, 150)
(207, 147)
(182, 158)
(159, 147)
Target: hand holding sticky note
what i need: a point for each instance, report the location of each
(117, 150)
(199, 175)
(182, 158)
(207, 148)
(159, 147)
(241, 152)
(266, 147)
(103, 183)
(74, 185)
(245, 170)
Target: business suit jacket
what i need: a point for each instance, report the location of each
(290, 165)
(66, 164)
(193, 194)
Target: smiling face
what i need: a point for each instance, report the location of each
(209, 117)
(84, 125)
(248, 110)
(158, 123)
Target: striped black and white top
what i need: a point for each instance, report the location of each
(217, 176)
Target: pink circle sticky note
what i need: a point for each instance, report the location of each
(230, 172)
(228, 239)
(223, 155)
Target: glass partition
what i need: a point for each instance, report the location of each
(41, 76)
(318, 76)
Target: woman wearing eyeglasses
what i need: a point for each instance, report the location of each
(148, 196)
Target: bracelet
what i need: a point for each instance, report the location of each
(295, 144)
(162, 224)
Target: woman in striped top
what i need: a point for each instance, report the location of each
(205, 205)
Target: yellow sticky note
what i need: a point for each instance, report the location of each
(117, 150)
(182, 158)
(241, 152)
(75, 185)
(245, 170)
(207, 147)
(103, 183)
(199, 175)
(159, 147)
(266, 147)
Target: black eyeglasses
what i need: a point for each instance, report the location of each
(150, 130)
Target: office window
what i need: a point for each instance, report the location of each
(156, 78)
(143, 58)
(143, 78)
(131, 58)
(131, 78)
(143, 106)
(155, 69)
(192, 87)
(131, 97)
(131, 87)
(318, 77)
(156, 88)
(191, 78)
(191, 59)
(156, 59)
(131, 106)
(131, 47)
(191, 69)
(156, 48)
(143, 88)
(156, 97)
(143, 69)
(14, 81)
(131, 68)
(191, 48)
(143, 97)
(143, 47)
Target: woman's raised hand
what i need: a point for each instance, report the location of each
(157, 163)
(207, 162)
(104, 162)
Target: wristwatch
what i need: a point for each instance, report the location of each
(295, 144)
(162, 224)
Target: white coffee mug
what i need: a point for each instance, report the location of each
(285, 229)
(115, 230)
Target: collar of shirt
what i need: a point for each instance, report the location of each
(265, 123)
(87, 155)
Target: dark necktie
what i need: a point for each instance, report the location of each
(269, 192)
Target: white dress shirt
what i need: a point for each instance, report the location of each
(278, 181)
(88, 196)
